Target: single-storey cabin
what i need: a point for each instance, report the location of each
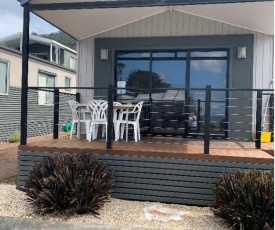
(169, 54)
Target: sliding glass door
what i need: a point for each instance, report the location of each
(163, 80)
(209, 68)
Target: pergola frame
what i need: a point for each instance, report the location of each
(125, 4)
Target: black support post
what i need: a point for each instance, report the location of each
(56, 114)
(110, 117)
(199, 116)
(77, 97)
(258, 120)
(25, 70)
(207, 119)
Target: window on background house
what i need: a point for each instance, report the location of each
(72, 62)
(40, 55)
(46, 80)
(68, 83)
(4, 78)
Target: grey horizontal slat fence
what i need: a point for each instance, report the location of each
(10, 108)
(180, 181)
(40, 117)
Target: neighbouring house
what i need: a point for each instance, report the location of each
(211, 56)
(43, 48)
(42, 73)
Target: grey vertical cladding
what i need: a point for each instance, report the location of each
(155, 179)
(184, 24)
(40, 118)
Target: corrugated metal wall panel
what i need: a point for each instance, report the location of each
(40, 118)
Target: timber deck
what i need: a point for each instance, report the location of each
(163, 147)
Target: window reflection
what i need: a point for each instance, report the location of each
(210, 72)
(161, 82)
(164, 54)
(171, 73)
(209, 54)
(181, 54)
(133, 55)
(136, 76)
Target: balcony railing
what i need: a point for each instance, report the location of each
(230, 114)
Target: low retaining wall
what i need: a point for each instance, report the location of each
(179, 181)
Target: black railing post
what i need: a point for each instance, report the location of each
(56, 114)
(271, 115)
(186, 112)
(199, 116)
(77, 97)
(258, 120)
(25, 70)
(110, 117)
(207, 119)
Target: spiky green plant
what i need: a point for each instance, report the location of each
(14, 137)
(246, 198)
(71, 183)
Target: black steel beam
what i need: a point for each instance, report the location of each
(25, 70)
(127, 4)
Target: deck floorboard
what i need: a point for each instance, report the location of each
(164, 147)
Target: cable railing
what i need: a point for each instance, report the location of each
(223, 114)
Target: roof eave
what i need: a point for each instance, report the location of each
(124, 4)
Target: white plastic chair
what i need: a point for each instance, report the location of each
(115, 114)
(121, 122)
(99, 117)
(76, 117)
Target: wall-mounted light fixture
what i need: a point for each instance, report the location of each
(104, 54)
(241, 52)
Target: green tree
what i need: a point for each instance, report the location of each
(141, 79)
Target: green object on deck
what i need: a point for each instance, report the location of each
(67, 127)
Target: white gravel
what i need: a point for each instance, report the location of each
(119, 213)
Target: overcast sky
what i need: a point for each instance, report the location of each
(11, 20)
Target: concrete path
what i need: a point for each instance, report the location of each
(10, 223)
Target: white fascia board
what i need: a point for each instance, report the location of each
(65, 47)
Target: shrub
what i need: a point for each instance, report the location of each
(14, 137)
(67, 184)
(246, 199)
